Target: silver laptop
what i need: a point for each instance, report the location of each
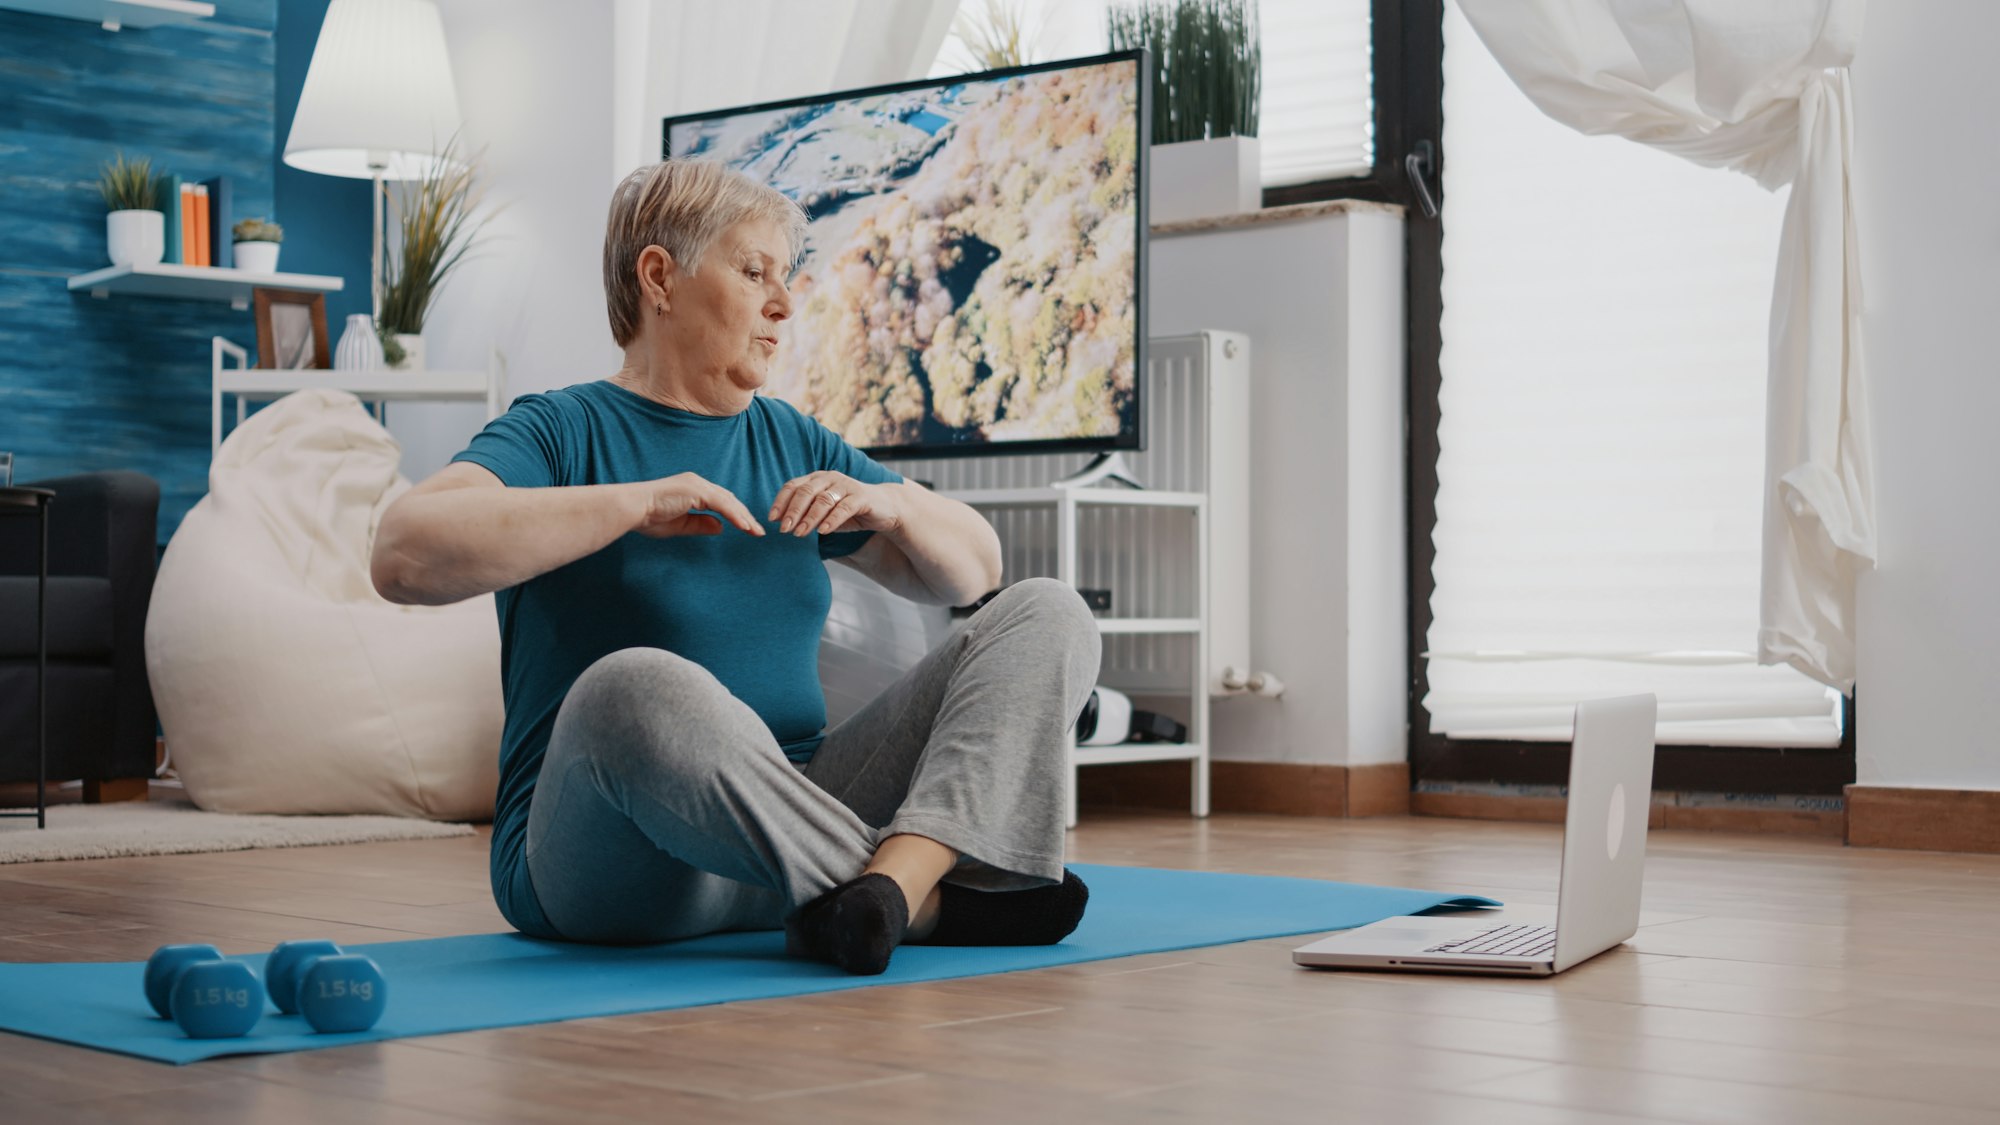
(1603, 863)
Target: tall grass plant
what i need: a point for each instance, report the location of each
(1207, 64)
(129, 185)
(436, 222)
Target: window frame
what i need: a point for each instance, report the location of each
(1402, 35)
(1407, 73)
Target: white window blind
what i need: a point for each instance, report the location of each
(1602, 436)
(1317, 112)
(1317, 106)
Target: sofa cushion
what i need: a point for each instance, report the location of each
(79, 617)
(80, 724)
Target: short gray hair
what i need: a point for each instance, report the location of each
(681, 206)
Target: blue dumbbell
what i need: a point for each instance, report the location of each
(164, 963)
(281, 970)
(341, 993)
(216, 999)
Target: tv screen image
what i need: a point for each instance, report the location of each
(972, 269)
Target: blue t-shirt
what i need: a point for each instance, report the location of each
(748, 609)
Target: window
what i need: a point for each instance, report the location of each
(1601, 432)
(1316, 109)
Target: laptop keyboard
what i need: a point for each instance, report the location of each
(1506, 941)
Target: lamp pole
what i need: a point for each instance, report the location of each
(378, 163)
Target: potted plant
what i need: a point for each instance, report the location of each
(135, 231)
(435, 227)
(1207, 64)
(256, 245)
(996, 36)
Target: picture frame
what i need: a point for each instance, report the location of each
(291, 329)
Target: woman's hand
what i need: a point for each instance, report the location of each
(669, 503)
(827, 501)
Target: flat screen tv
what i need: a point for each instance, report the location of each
(974, 272)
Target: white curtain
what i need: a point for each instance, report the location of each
(1760, 88)
(684, 56)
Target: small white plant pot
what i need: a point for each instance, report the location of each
(1204, 179)
(413, 351)
(256, 257)
(135, 238)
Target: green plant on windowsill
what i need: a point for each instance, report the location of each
(1207, 65)
(129, 185)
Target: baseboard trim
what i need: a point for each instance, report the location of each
(1666, 811)
(1283, 788)
(1936, 820)
(1946, 820)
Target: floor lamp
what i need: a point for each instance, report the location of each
(378, 104)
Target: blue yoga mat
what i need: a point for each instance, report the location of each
(447, 984)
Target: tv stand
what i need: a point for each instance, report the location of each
(1108, 467)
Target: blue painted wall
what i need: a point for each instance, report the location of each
(122, 383)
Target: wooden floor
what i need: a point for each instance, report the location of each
(1774, 979)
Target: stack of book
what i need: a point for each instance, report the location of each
(198, 221)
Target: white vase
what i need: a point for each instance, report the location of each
(1204, 179)
(413, 351)
(135, 238)
(256, 257)
(359, 348)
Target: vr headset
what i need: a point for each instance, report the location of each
(1109, 719)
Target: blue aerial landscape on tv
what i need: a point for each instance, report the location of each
(970, 271)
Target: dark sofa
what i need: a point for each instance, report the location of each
(102, 556)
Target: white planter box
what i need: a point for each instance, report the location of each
(1203, 179)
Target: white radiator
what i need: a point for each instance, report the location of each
(1195, 403)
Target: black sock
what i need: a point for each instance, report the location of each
(856, 925)
(1036, 916)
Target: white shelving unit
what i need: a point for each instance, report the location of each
(249, 384)
(196, 283)
(1175, 554)
(115, 14)
(1067, 502)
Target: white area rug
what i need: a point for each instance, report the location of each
(171, 825)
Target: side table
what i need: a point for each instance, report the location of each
(16, 501)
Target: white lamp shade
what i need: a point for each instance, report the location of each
(378, 94)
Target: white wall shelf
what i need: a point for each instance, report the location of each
(1136, 752)
(378, 386)
(115, 14)
(196, 283)
(1028, 497)
(1151, 625)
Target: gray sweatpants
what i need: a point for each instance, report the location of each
(665, 808)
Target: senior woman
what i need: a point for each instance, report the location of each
(664, 770)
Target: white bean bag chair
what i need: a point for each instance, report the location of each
(284, 682)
